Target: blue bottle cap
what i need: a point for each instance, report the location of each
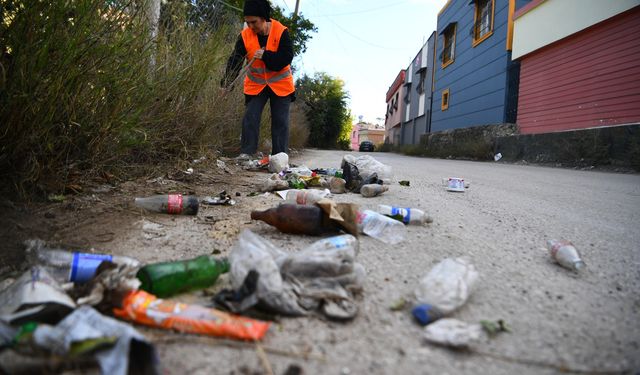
(425, 314)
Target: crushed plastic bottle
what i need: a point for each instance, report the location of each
(306, 196)
(174, 204)
(406, 215)
(337, 185)
(334, 242)
(65, 266)
(444, 289)
(381, 227)
(372, 190)
(565, 254)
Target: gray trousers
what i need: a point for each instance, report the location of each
(279, 122)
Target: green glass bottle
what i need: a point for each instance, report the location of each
(169, 278)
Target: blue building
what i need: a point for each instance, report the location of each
(417, 95)
(475, 81)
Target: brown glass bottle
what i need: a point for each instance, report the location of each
(297, 219)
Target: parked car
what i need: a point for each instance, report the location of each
(366, 146)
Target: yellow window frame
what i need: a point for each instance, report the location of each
(444, 104)
(476, 18)
(453, 46)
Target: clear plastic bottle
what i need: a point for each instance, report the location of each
(175, 204)
(306, 196)
(444, 289)
(328, 257)
(381, 227)
(335, 242)
(565, 254)
(406, 215)
(65, 266)
(372, 190)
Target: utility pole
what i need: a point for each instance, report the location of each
(295, 13)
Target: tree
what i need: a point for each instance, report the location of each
(327, 112)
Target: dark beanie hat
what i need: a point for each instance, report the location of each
(258, 8)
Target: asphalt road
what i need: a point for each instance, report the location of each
(560, 320)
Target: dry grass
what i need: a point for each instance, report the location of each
(85, 92)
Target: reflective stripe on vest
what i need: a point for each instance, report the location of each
(258, 76)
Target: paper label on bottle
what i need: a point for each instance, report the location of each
(301, 197)
(404, 212)
(338, 242)
(83, 266)
(174, 204)
(362, 217)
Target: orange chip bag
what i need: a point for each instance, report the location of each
(144, 308)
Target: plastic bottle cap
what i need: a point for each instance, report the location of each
(425, 314)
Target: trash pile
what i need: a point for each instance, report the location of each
(77, 307)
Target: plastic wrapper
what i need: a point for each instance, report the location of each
(144, 308)
(300, 171)
(322, 277)
(251, 252)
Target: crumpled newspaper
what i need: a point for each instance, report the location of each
(323, 277)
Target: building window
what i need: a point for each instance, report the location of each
(445, 100)
(483, 20)
(407, 94)
(449, 45)
(420, 85)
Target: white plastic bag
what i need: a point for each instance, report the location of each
(448, 285)
(251, 252)
(367, 165)
(278, 162)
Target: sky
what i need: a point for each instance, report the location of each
(365, 44)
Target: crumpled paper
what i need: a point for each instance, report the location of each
(85, 323)
(345, 214)
(34, 296)
(453, 333)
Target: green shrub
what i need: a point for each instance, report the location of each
(85, 89)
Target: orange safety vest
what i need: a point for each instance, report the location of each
(258, 76)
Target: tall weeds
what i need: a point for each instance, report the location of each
(84, 89)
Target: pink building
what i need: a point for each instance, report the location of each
(395, 107)
(363, 131)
